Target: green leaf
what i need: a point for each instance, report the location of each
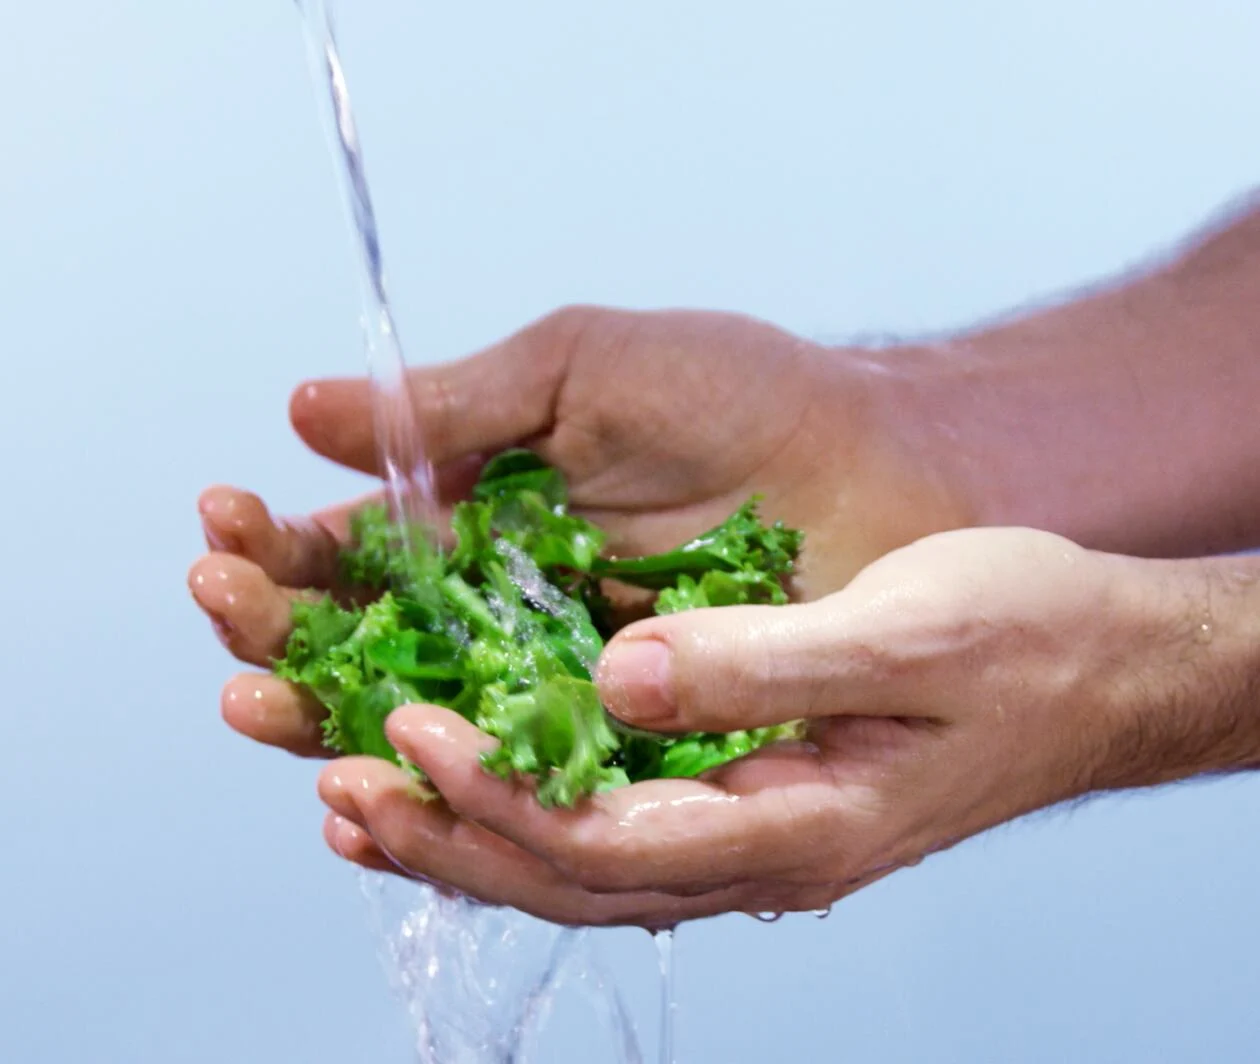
(740, 544)
(505, 630)
(513, 473)
(470, 521)
(318, 627)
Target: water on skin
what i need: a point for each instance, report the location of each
(478, 983)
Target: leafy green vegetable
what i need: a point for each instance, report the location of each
(739, 561)
(506, 627)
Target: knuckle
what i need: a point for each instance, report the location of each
(726, 672)
(567, 320)
(879, 660)
(556, 340)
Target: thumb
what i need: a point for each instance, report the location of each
(487, 402)
(734, 667)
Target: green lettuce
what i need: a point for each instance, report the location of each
(505, 629)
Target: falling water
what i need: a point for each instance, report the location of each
(478, 982)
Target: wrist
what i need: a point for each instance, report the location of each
(936, 402)
(879, 473)
(1188, 704)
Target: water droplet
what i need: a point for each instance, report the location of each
(1203, 633)
(767, 918)
(822, 914)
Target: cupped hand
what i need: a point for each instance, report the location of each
(663, 424)
(959, 683)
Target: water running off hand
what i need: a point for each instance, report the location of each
(664, 940)
(478, 983)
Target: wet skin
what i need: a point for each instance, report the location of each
(951, 685)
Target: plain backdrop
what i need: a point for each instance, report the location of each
(173, 260)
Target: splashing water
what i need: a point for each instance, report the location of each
(533, 585)
(478, 982)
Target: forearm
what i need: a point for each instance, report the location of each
(1190, 704)
(1128, 420)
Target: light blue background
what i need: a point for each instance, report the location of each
(173, 260)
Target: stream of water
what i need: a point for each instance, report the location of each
(478, 983)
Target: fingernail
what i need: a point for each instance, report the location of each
(341, 835)
(636, 680)
(219, 540)
(225, 630)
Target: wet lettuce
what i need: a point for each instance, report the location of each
(505, 629)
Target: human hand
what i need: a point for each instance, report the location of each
(663, 424)
(962, 682)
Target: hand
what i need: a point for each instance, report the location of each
(956, 684)
(663, 423)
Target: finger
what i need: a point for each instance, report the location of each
(250, 613)
(739, 667)
(351, 843)
(275, 713)
(676, 836)
(430, 842)
(301, 553)
(482, 404)
(452, 482)
(297, 552)
(337, 518)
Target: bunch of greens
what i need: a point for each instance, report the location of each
(505, 629)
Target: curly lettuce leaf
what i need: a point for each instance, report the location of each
(741, 551)
(505, 628)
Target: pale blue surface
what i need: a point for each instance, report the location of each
(172, 260)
